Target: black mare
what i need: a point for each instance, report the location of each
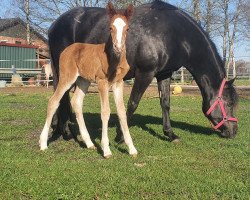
(160, 40)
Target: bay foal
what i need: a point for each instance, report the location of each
(104, 64)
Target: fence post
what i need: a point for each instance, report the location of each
(182, 74)
(234, 69)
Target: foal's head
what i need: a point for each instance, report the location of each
(119, 26)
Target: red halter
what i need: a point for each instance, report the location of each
(220, 101)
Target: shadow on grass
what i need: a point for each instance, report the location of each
(93, 124)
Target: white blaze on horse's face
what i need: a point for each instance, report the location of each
(119, 25)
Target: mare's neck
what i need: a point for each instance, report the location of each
(113, 58)
(208, 75)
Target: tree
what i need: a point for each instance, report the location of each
(197, 10)
(41, 13)
(232, 35)
(27, 13)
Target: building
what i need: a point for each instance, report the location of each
(13, 32)
(17, 53)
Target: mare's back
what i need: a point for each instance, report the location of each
(158, 32)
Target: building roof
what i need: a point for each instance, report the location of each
(9, 22)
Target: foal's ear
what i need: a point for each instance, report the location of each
(129, 12)
(111, 10)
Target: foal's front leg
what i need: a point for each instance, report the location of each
(118, 96)
(103, 87)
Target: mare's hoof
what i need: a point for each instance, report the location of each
(176, 140)
(172, 137)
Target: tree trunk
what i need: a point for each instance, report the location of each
(27, 12)
(226, 29)
(209, 16)
(197, 11)
(232, 37)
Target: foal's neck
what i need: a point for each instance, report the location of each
(114, 58)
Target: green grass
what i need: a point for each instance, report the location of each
(202, 166)
(242, 82)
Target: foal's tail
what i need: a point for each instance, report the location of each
(64, 111)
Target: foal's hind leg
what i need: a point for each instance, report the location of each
(118, 96)
(76, 102)
(103, 87)
(52, 107)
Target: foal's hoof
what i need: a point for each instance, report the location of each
(43, 148)
(134, 155)
(92, 147)
(133, 152)
(107, 156)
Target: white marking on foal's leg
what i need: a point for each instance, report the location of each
(119, 25)
(44, 137)
(118, 96)
(77, 102)
(105, 114)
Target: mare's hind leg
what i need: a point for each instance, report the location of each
(77, 103)
(164, 92)
(103, 87)
(118, 96)
(52, 107)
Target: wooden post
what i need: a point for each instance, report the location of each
(182, 74)
(234, 69)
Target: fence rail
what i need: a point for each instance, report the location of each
(20, 71)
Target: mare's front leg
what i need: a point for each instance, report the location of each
(164, 93)
(77, 103)
(103, 87)
(142, 81)
(118, 96)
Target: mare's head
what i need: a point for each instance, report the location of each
(119, 26)
(222, 110)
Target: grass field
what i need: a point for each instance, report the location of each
(202, 166)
